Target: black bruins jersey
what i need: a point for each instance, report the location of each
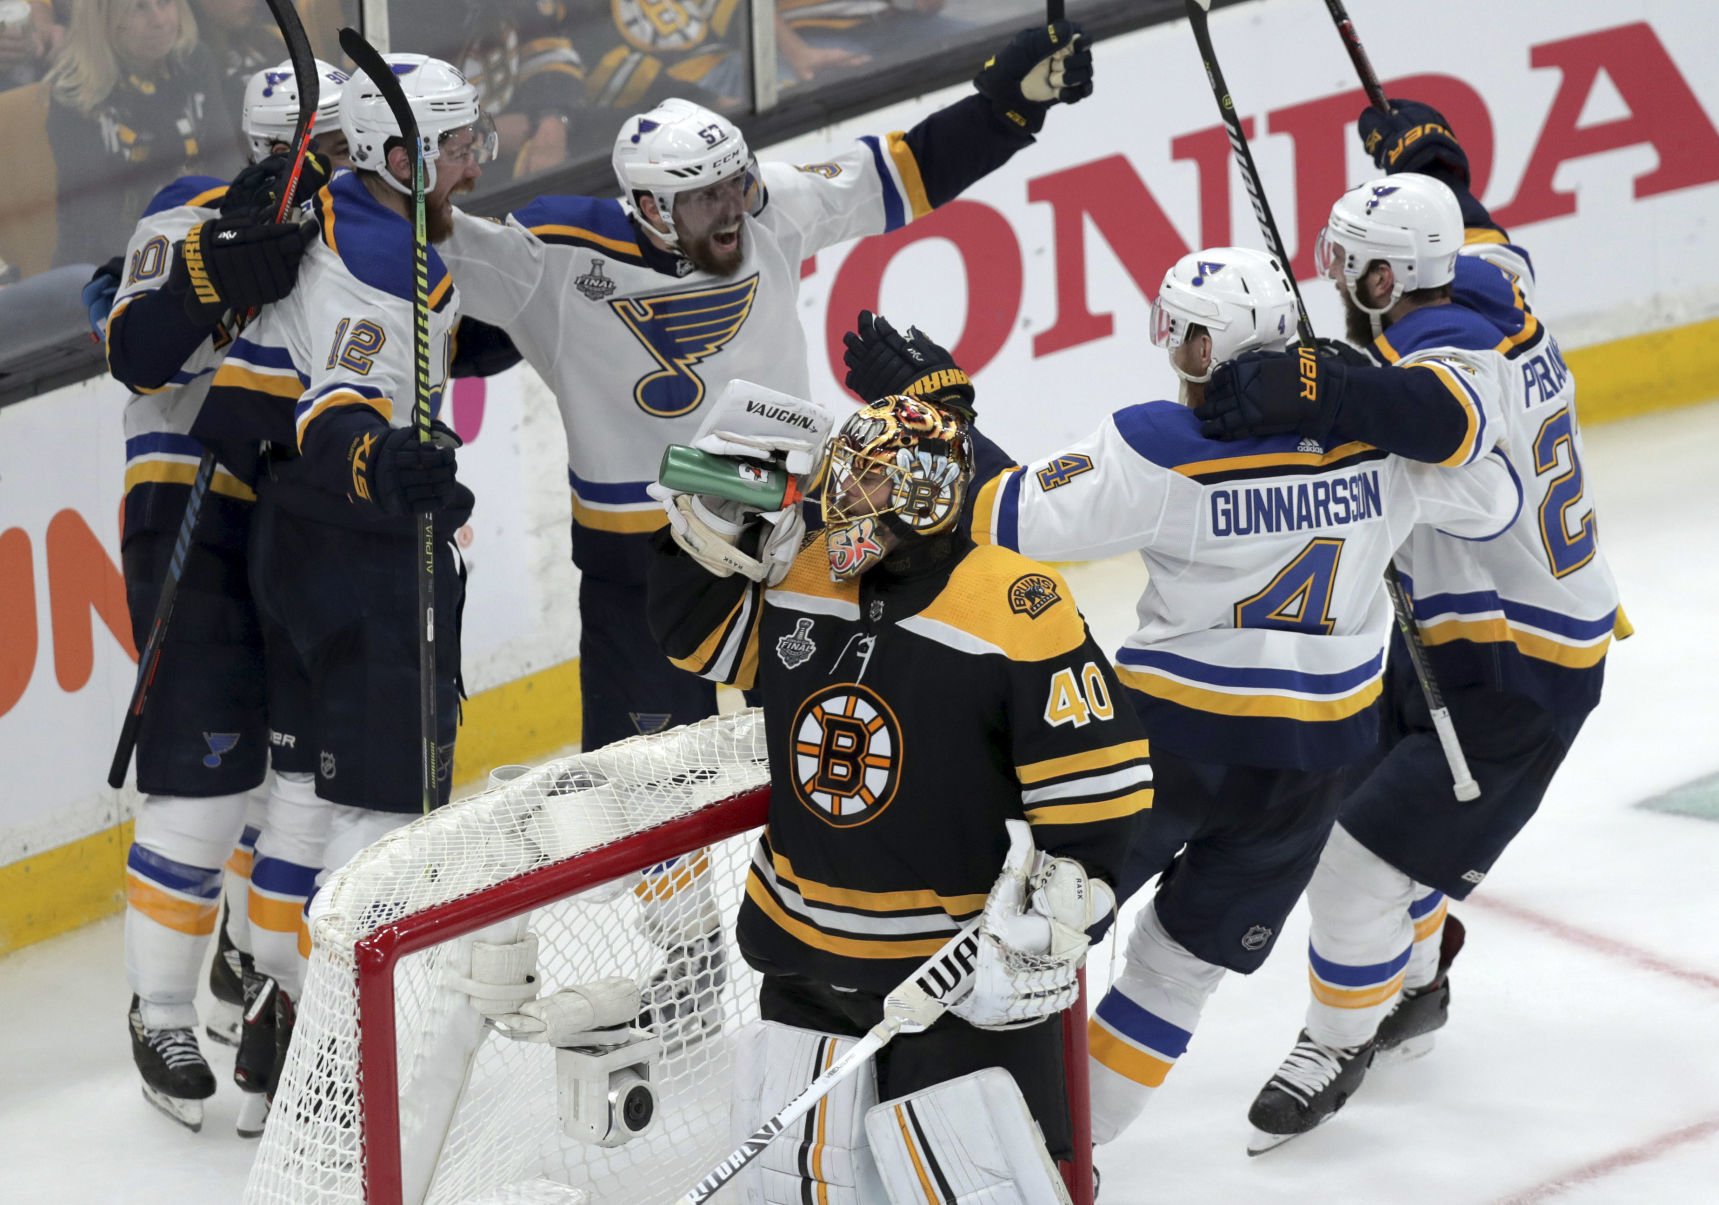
(909, 714)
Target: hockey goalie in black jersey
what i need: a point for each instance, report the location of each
(918, 691)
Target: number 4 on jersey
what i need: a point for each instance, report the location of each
(1299, 597)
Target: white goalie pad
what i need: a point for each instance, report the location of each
(824, 1154)
(967, 1141)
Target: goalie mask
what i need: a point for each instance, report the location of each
(897, 469)
(1241, 298)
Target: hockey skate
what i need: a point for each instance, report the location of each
(682, 1003)
(254, 1065)
(176, 1076)
(1407, 1031)
(227, 983)
(1312, 1084)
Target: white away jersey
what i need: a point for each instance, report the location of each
(631, 351)
(1263, 627)
(1534, 611)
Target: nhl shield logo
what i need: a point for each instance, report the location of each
(1032, 595)
(796, 648)
(1255, 938)
(327, 764)
(594, 284)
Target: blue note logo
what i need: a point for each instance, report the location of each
(1206, 268)
(1380, 192)
(220, 744)
(681, 330)
(647, 722)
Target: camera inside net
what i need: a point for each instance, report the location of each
(605, 1092)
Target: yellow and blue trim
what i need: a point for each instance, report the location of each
(173, 894)
(1338, 985)
(1133, 1041)
(903, 185)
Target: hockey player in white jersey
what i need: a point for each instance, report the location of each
(1516, 628)
(1259, 658)
(204, 254)
(326, 377)
(636, 311)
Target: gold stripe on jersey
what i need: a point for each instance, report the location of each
(1496, 630)
(207, 197)
(1079, 763)
(1253, 706)
(976, 601)
(701, 657)
(1276, 460)
(178, 472)
(1530, 324)
(439, 293)
(324, 205)
(1482, 234)
(344, 397)
(628, 247)
(232, 375)
(843, 947)
(1470, 413)
(908, 168)
(985, 506)
(875, 901)
(1090, 812)
(628, 522)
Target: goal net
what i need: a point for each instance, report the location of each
(626, 864)
(627, 861)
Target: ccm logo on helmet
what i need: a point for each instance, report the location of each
(1309, 373)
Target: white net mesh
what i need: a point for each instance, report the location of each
(654, 904)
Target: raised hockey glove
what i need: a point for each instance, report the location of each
(401, 476)
(237, 264)
(882, 362)
(1412, 137)
(99, 293)
(1039, 67)
(256, 191)
(1298, 391)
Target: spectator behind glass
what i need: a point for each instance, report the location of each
(29, 38)
(817, 37)
(136, 104)
(241, 37)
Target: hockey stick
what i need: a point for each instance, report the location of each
(1358, 56)
(1462, 782)
(924, 997)
(371, 63)
(149, 660)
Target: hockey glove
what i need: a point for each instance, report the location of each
(1412, 137)
(1275, 393)
(237, 264)
(400, 476)
(727, 537)
(882, 362)
(1039, 67)
(256, 191)
(753, 422)
(99, 293)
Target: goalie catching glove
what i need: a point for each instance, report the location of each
(1032, 944)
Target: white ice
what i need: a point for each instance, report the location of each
(1581, 1064)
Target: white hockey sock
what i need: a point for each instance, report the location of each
(290, 851)
(1359, 946)
(236, 887)
(1144, 1023)
(1427, 913)
(172, 896)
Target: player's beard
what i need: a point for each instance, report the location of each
(1357, 323)
(439, 213)
(707, 256)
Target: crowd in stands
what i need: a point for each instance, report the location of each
(109, 100)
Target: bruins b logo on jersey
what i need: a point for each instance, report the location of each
(847, 754)
(680, 330)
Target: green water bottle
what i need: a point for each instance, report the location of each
(764, 486)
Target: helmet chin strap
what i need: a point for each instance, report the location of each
(1374, 316)
(405, 189)
(669, 238)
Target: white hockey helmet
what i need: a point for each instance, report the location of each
(442, 103)
(270, 113)
(1410, 221)
(1241, 297)
(680, 147)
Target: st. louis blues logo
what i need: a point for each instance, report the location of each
(846, 754)
(647, 722)
(273, 80)
(220, 744)
(1380, 192)
(1206, 268)
(680, 330)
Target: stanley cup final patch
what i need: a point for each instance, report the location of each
(796, 648)
(1032, 595)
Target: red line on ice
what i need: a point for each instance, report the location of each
(1596, 943)
(1644, 1152)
